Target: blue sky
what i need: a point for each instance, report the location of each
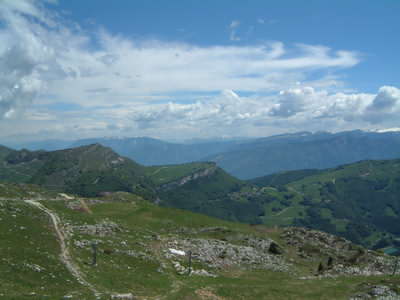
(182, 69)
(369, 27)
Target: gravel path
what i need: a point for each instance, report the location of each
(65, 255)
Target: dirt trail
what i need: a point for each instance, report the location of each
(158, 170)
(65, 254)
(282, 211)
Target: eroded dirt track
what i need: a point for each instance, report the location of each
(65, 255)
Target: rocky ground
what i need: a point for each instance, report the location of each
(338, 256)
(218, 254)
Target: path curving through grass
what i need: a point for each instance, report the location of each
(65, 255)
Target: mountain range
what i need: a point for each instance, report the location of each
(122, 232)
(250, 158)
(358, 201)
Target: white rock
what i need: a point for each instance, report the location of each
(177, 252)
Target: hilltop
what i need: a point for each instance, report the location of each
(87, 170)
(95, 170)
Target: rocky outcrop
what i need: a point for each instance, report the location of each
(339, 255)
(381, 292)
(220, 254)
(183, 180)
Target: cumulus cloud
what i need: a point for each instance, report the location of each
(294, 108)
(292, 101)
(19, 68)
(386, 100)
(31, 53)
(40, 54)
(155, 87)
(385, 105)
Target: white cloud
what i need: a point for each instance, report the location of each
(385, 106)
(152, 87)
(56, 58)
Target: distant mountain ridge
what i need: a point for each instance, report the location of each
(306, 151)
(253, 158)
(149, 151)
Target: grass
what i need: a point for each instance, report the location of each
(28, 238)
(30, 263)
(164, 174)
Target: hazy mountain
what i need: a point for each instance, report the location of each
(306, 151)
(48, 145)
(144, 150)
(254, 157)
(149, 151)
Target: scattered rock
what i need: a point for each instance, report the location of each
(380, 292)
(202, 272)
(127, 296)
(103, 229)
(219, 254)
(345, 257)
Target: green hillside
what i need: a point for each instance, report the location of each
(358, 201)
(282, 178)
(134, 239)
(208, 195)
(4, 151)
(87, 170)
(94, 170)
(24, 191)
(165, 174)
(362, 198)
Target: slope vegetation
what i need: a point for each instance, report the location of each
(358, 201)
(87, 170)
(139, 254)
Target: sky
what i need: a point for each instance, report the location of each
(182, 69)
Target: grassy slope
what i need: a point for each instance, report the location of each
(4, 151)
(283, 178)
(208, 195)
(87, 170)
(164, 174)
(358, 201)
(30, 262)
(24, 191)
(144, 227)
